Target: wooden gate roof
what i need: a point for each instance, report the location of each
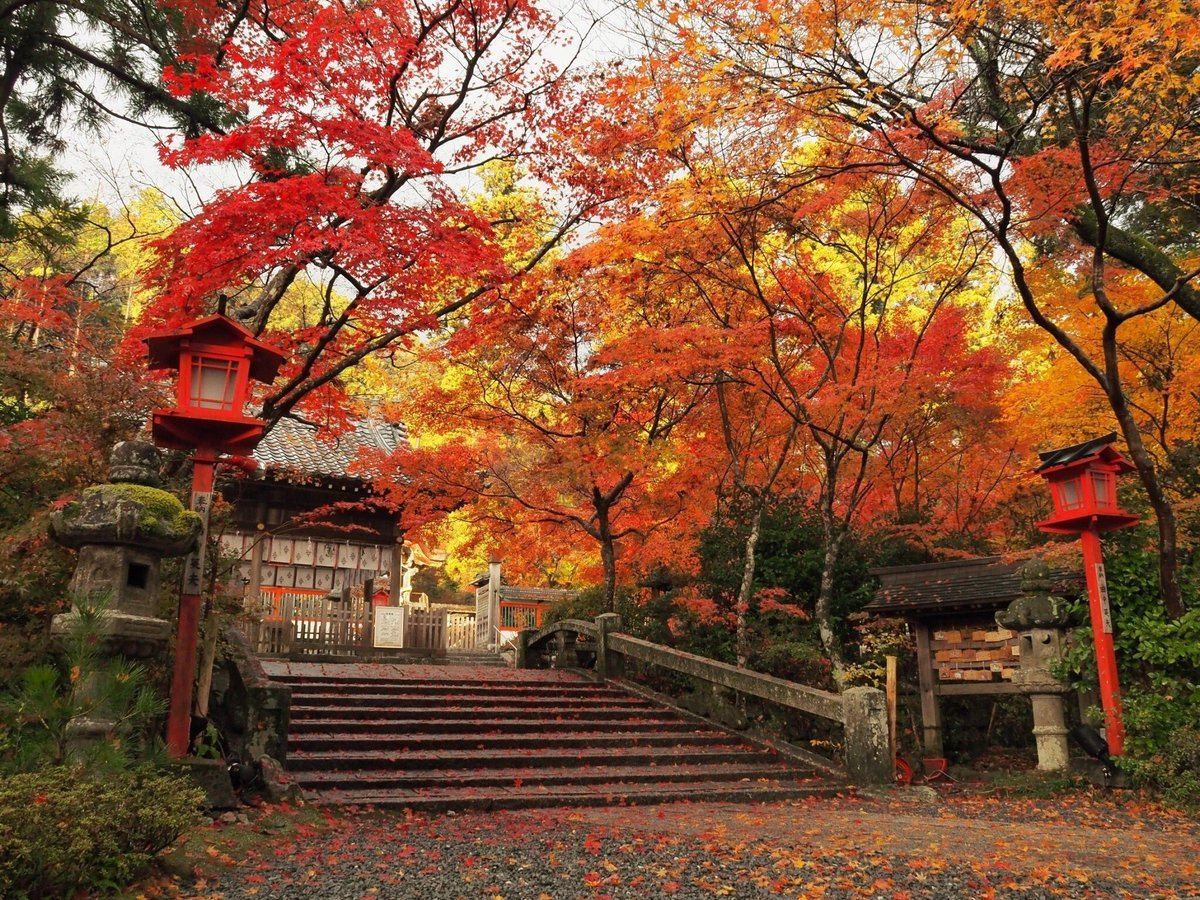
(980, 584)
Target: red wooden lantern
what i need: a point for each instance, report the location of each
(216, 359)
(1083, 485)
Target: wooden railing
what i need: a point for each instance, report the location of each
(600, 645)
(426, 629)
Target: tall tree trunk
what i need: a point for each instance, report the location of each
(1164, 512)
(741, 642)
(1108, 378)
(608, 556)
(824, 611)
(833, 534)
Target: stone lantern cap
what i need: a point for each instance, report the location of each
(134, 462)
(1036, 607)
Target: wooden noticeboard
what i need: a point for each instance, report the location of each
(390, 624)
(975, 653)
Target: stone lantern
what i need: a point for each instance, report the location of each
(122, 531)
(1040, 620)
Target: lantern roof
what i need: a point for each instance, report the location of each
(165, 347)
(1099, 449)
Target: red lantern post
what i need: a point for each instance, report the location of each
(216, 359)
(1083, 485)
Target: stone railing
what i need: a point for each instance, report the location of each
(861, 711)
(569, 644)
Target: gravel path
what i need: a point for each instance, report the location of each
(903, 845)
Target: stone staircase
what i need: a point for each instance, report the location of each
(450, 737)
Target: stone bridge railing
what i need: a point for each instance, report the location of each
(600, 645)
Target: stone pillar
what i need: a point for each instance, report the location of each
(566, 657)
(122, 531)
(608, 663)
(493, 599)
(868, 760)
(522, 646)
(1041, 620)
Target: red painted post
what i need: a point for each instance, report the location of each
(179, 717)
(1106, 657)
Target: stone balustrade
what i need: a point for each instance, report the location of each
(861, 711)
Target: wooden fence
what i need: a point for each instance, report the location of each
(460, 631)
(291, 622)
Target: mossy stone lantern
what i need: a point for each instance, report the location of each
(122, 531)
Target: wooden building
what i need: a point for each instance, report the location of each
(305, 523)
(951, 607)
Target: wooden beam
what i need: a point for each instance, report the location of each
(931, 709)
(966, 688)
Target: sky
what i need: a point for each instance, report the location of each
(123, 160)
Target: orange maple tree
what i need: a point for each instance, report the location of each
(1062, 132)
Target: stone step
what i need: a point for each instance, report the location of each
(606, 794)
(477, 739)
(489, 724)
(474, 760)
(442, 689)
(478, 701)
(376, 782)
(403, 743)
(591, 711)
(395, 675)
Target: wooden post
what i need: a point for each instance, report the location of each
(891, 704)
(254, 589)
(493, 602)
(396, 582)
(931, 710)
(368, 632)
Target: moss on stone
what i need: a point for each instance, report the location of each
(162, 515)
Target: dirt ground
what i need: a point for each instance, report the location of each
(953, 842)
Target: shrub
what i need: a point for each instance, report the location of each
(62, 831)
(1159, 662)
(792, 660)
(37, 720)
(641, 615)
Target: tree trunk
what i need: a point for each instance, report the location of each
(833, 535)
(743, 598)
(608, 556)
(824, 609)
(1164, 512)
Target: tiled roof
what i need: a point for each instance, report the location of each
(297, 447)
(985, 583)
(1053, 458)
